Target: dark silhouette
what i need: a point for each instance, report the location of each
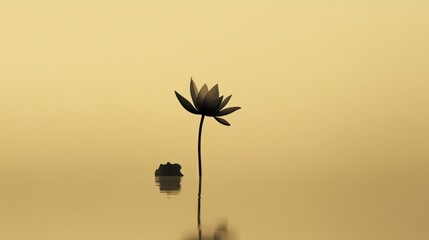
(169, 170)
(206, 103)
(199, 207)
(168, 184)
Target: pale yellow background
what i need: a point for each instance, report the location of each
(332, 141)
(334, 90)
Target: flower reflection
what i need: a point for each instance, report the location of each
(169, 184)
(221, 232)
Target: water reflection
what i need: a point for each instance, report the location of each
(169, 184)
(221, 232)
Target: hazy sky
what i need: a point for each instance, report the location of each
(327, 88)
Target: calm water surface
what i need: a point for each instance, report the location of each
(129, 205)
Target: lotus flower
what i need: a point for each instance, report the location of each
(206, 103)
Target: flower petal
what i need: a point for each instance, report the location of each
(223, 104)
(211, 96)
(212, 108)
(186, 104)
(201, 95)
(222, 121)
(194, 92)
(227, 111)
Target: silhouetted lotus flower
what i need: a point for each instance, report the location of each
(206, 103)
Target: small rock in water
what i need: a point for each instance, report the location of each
(168, 170)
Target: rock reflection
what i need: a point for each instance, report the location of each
(169, 184)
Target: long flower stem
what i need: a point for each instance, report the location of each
(200, 178)
(199, 146)
(199, 208)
